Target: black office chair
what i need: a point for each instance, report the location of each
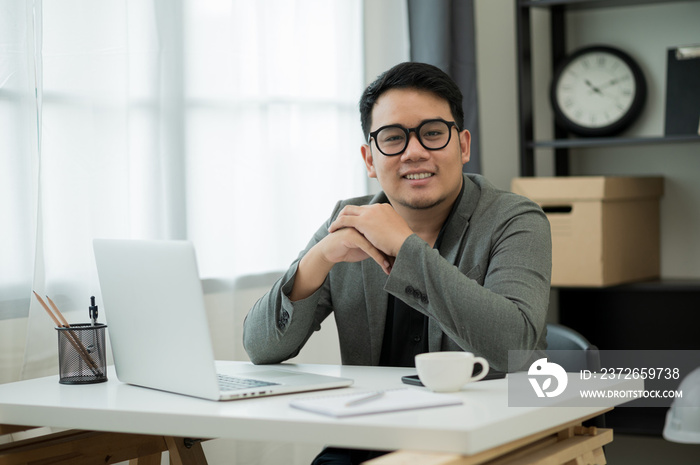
(574, 353)
(579, 353)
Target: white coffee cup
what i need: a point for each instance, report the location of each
(449, 371)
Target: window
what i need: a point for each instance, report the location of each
(231, 123)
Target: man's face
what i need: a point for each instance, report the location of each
(418, 178)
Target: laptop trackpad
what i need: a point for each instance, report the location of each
(272, 374)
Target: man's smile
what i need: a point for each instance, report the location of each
(414, 176)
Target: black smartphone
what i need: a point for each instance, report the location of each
(415, 381)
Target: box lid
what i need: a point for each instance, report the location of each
(588, 187)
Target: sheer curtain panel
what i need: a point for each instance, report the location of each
(273, 129)
(231, 123)
(92, 152)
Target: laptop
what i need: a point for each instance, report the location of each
(157, 323)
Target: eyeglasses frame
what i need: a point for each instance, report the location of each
(408, 131)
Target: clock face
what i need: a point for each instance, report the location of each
(598, 91)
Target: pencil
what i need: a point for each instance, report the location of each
(81, 348)
(65, 324)
(73, 339)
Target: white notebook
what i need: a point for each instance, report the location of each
(392, 400)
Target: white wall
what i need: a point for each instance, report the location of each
(497, 84)
(227, 306)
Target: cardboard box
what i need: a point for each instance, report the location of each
(605, 230)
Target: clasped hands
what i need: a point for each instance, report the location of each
(369, 231)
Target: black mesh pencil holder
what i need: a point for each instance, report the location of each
(81, 354)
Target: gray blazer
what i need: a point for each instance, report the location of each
(488, 295)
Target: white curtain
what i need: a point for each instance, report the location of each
(230, 123)
(273, 131)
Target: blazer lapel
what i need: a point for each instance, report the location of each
(454, 238)
(451, 248)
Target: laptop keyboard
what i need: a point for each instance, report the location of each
(230, 383)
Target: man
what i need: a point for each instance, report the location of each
(439, 260)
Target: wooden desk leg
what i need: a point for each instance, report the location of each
(89, 447)
(153, 459)
(185, 452)
(83, 448)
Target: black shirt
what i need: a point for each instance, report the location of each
(406, 329)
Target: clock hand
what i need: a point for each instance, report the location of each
(594, 88)
(612, 82)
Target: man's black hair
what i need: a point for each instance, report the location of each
(411, 75)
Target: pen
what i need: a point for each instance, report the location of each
(93, 310)
(361, 400)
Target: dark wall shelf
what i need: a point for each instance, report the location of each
(660, 285)
(655, 315)
(612, 141)
(588, 4)
(641, 316)
(563, 142)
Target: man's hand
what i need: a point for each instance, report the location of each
(379, 223)
(349, 245)
(360, 232)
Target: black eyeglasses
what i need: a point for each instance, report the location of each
(433, 134)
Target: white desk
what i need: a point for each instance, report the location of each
(483, 422)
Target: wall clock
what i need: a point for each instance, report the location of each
(597, 91)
